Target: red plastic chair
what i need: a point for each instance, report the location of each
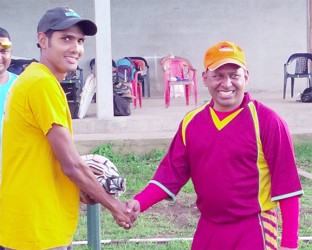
(179, 71)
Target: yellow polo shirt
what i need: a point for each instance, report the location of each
(39, 205)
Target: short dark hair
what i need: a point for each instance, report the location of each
(49, 34)
(4, 33)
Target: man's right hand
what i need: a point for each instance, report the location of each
(121, 215)
(133, 209)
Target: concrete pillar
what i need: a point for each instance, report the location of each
(309, 20)
(104, 92)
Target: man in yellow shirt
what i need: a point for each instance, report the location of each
(43, 176)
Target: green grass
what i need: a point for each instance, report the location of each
(304, 161)
(162, 220)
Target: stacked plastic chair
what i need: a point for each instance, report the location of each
(144, 76)
(298, 65)
(179, 71)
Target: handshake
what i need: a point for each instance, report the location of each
(126, 213)
(107, 174)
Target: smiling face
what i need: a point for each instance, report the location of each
(61, 50)
(226, 85)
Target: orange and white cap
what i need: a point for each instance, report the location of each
(223, 53)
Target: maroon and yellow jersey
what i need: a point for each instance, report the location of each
(240, 165)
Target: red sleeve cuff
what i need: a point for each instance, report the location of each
(151, 195)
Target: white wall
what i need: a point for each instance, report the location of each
(268, 30)
(21, 18)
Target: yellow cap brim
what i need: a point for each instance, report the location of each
(6, 44)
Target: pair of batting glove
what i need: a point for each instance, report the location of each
(106, 173)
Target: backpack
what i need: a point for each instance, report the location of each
(122, 99)
(125, 70)
(122, 105)
(306, 96)
(17, 66)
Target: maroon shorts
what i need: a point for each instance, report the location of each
(257, 231)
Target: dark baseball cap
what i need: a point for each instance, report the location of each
(61, 18)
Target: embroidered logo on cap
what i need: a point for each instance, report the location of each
(226, 49)
(71, 12)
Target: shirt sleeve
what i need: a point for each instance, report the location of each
(279, 154)
(48, 104)
(174, 170)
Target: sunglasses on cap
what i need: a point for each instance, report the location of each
(6, 44)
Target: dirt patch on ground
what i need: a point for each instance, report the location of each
(184, 209)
